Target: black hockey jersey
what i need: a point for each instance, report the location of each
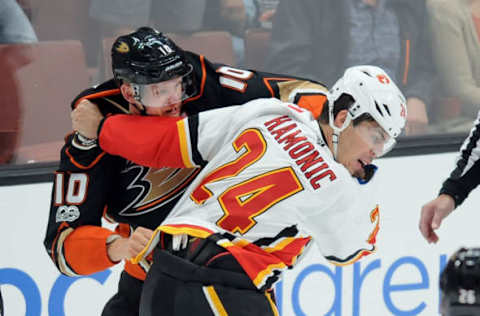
(91, 184)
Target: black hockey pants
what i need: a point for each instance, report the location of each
(206, 281)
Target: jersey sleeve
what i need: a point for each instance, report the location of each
(347, 228)
(466, 175)
(75, 240)
(238, 86)
(159, 142)
(222, 85)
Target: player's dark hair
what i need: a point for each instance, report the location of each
(344, 102)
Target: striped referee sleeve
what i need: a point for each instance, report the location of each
(466, 175)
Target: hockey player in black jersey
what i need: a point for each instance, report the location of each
(152, 76)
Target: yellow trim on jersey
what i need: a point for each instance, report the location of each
(284, 243)
(360, 254)
(183, 141)
(281, 245)
(214, 301)
(272, 304)
(148, 248)
(262, 275)
(194, 232)
(171, 230)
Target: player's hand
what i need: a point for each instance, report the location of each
(433, 214)
(417, 119)
(86, 118)
(125, 248)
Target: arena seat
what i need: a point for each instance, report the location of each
(215, 45)
(256, 48)
(12, 58)
(53, 73)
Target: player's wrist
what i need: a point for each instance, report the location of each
(457, 200)
(84, 143)
(115, 248)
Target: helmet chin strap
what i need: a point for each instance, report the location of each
(137, 95)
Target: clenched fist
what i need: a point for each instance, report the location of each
(86, 118)
(125, 248)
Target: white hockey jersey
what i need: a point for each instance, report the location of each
(268, 179)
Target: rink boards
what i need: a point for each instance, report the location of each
(400, 279)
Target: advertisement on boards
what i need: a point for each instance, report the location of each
(401, 278)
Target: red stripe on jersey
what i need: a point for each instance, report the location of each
(260, 264)
(85, 243)
(289, 251)
(152, 141)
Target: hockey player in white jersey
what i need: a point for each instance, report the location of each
(274, 182)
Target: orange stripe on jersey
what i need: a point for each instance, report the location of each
(177, 189)
(374, 217)
(269, 86)
(313, 103)
(202, 85)
(184, 141)
(123, 229)
(86, 249)
(97, 95)
(135, 270)
(80, 166)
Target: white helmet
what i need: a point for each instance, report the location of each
(373, 92)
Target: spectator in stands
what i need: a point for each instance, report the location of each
(318, 38)
(181, 16)
(15, 26)
(235, 16)
(169, 16)
(456, 24)
(265, 12)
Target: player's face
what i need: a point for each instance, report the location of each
(163, 98)
(359, 145)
